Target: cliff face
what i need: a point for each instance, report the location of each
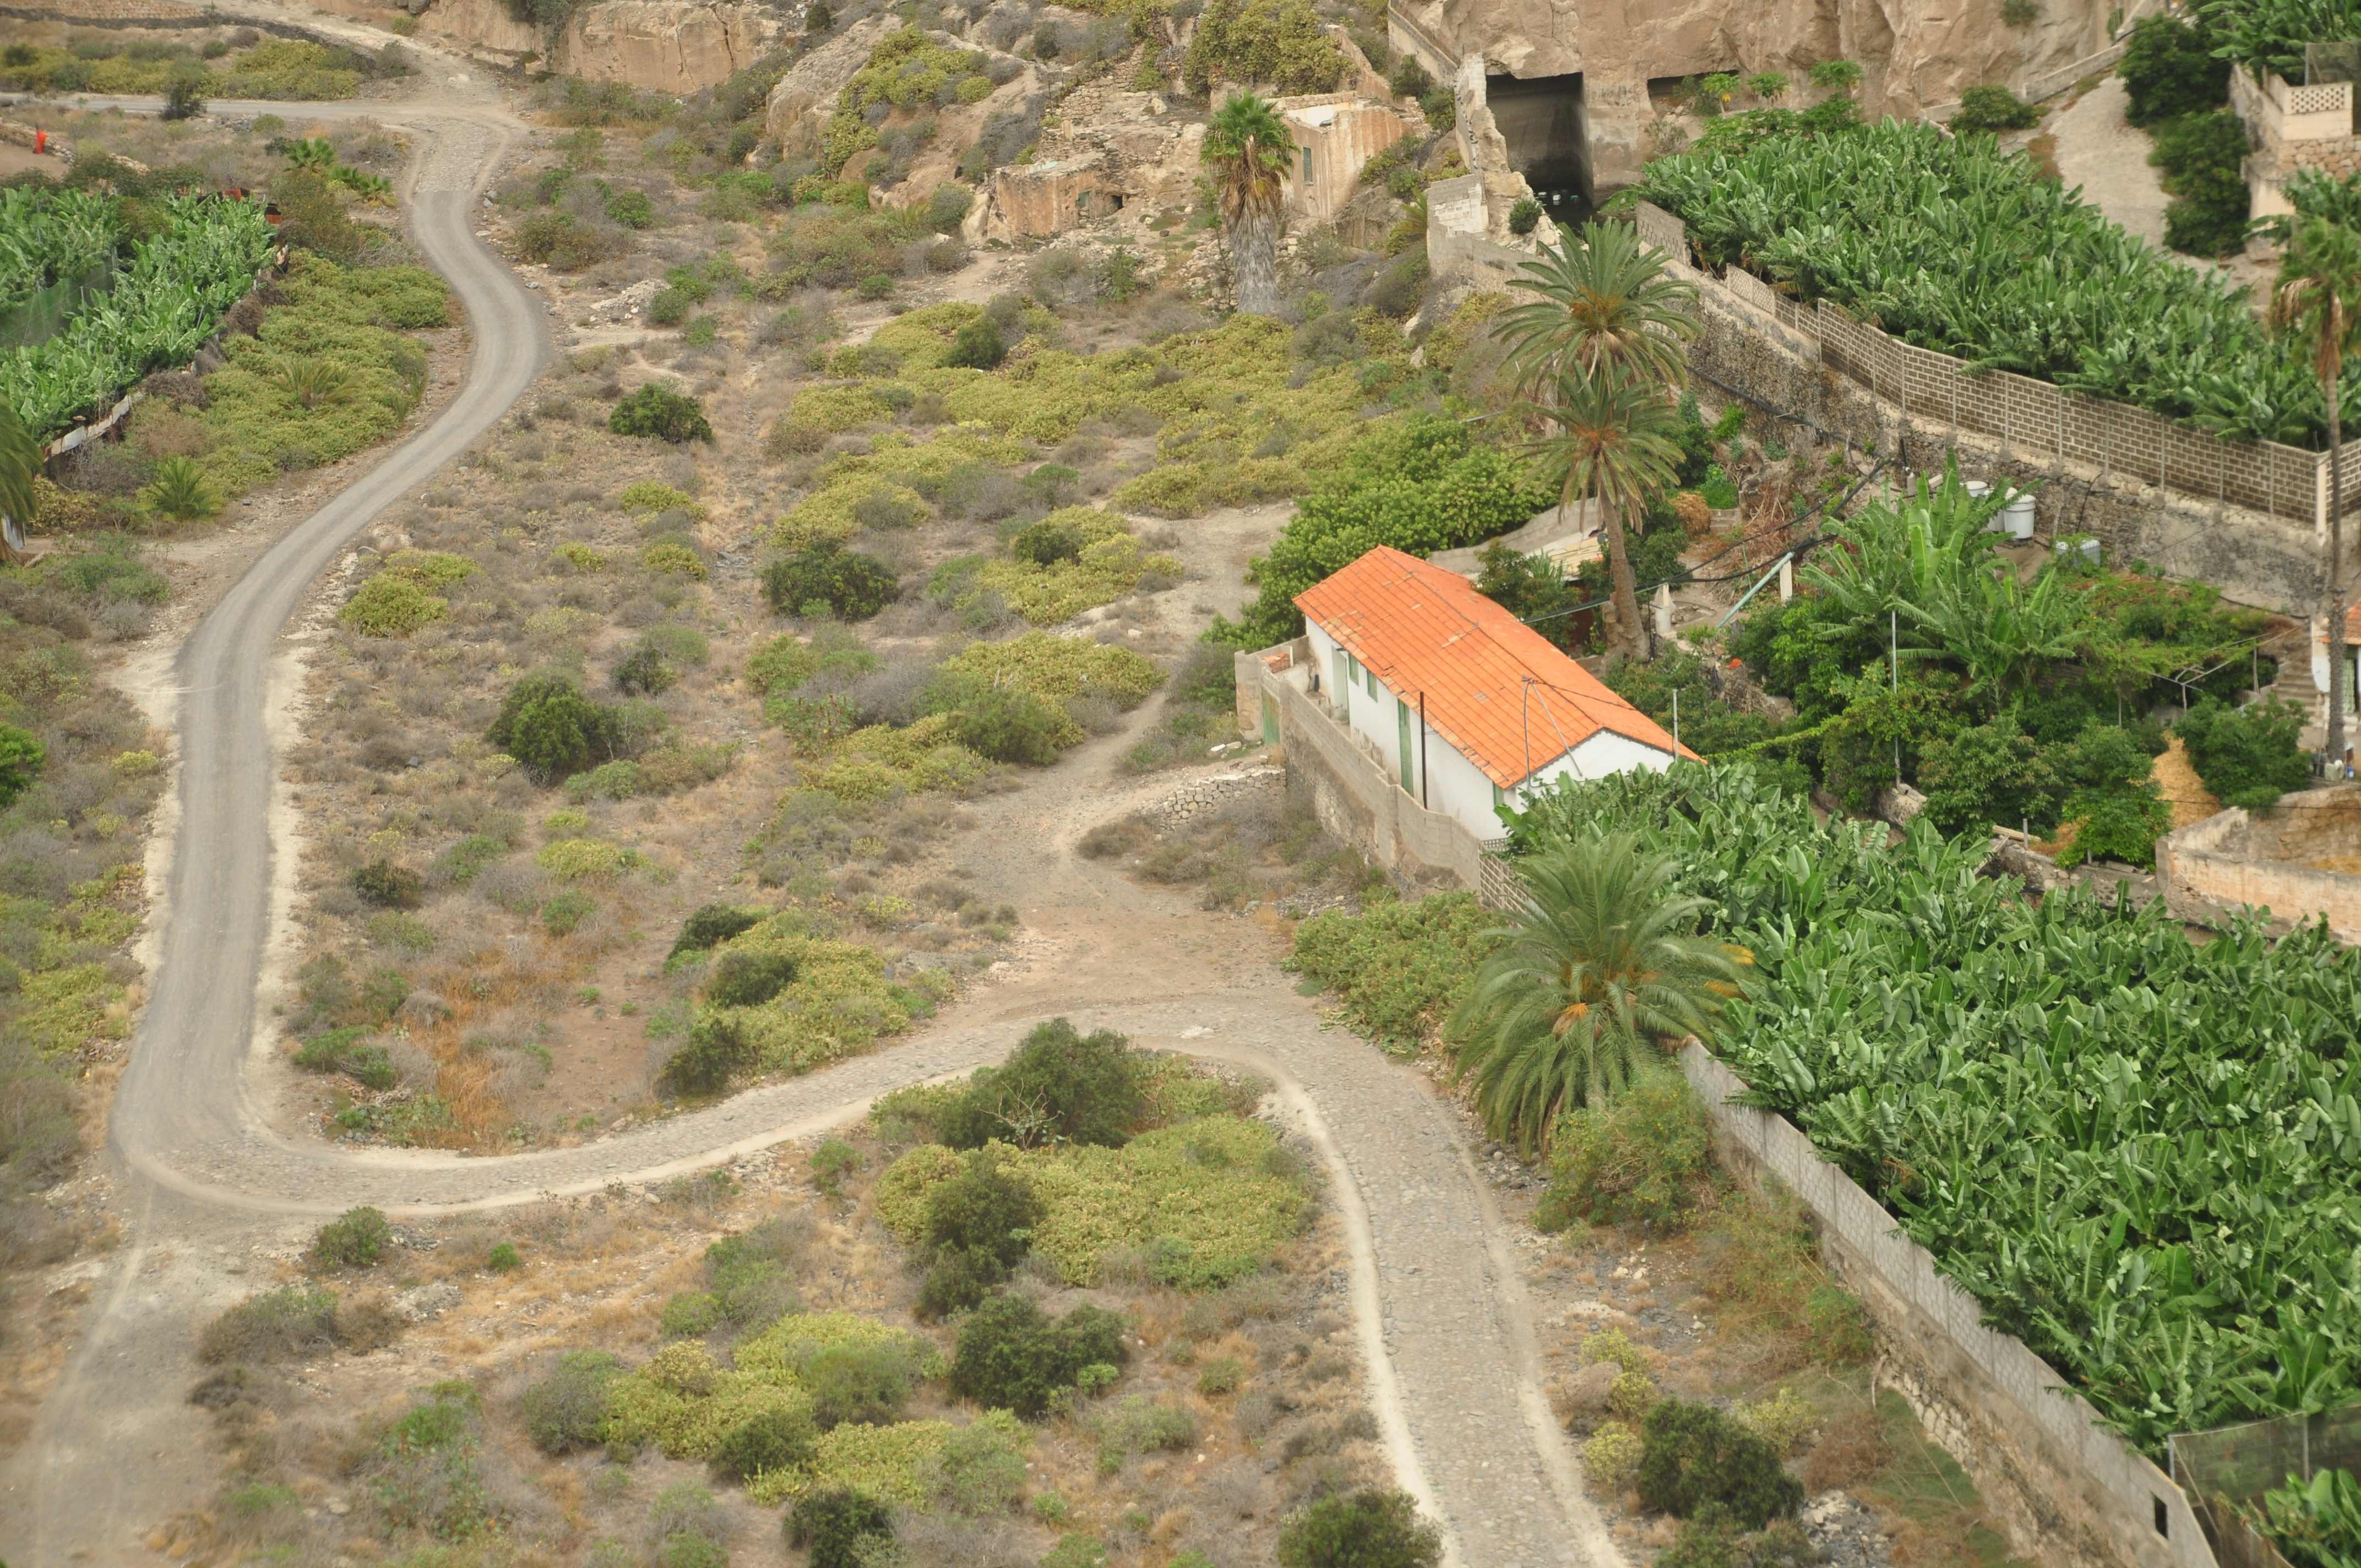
(1916, 54)
(672, 46)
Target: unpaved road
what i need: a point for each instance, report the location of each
(1453, 1361)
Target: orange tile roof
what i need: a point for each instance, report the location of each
(1501, 694)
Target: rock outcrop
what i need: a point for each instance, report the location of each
(1915, 56)
(799, 107)
(670, 45)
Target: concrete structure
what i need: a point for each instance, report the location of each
(2286, 861)
(1040, 200)
(1336, 133)
(2068, 1491)
(1460, 705)
(2293, 127)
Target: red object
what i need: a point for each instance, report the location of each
(1496, 689)
(40, 141)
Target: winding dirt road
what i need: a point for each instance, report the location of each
(1453, 1360)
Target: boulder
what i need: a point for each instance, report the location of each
(668, 45)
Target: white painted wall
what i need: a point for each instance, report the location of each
(1454, 785)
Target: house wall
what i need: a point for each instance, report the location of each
(1340, 132)
(2235, 859)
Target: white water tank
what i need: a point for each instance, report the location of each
(2015, 519)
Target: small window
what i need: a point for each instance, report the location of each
(1373, 679)
(1307, 165)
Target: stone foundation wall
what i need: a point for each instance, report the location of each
(2069, 1492)
(2237, 858)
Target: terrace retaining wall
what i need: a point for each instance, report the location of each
(2069, 1492)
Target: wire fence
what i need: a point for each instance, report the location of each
(2225, 1470)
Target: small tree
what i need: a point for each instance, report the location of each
(840, 1526)
(184, 92)
(550, 728)
(716, 1051)
(1838, 76)
(20, 762)
(978, 346)
(846, 583)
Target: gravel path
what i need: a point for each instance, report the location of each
(1453, 1360)
(2102, 153)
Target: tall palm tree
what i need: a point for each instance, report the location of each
(1605, 962)
(1609, 299)
(20, 462)
(2317, 303)
(1615, 437)
(1247, 149)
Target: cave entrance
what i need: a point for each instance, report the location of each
(1549, 141)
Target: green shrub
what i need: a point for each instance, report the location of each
(346, 1050)
(1369, 1528)
(712, 924)
(1993, 109)
(1012, 1357)
(567, 1409)
(767, 1441)
(1639, 1158)
(2246, 756)
(986, 1209)
(552, 729)
(644, 671)
(1525, 216)
(979, 1471)
(831, 1162)
(181, 491)
(1059, 1086)
(1136, 1426)
(716, 1051)
(294, 1320)
(657, 410)
(1990, 774)
(850, 585)
(1692, 1455)
(1252, 41)
(865, 1383)
(2169, 69)
(356, 1239)
(1222, 1375)
(748, 977)
(20, 764)
(956, 1281)
(1713, 1538)
(2117, 825)
(389, 604)
(503, 1258)
(1401, 966)
(839, 1526)
(977, 345)
(2201, 157)
(388, 886)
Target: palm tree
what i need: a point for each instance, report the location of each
(1609, 299)
(20, 464)
(1616, 438)
(2318, 304)
(1605, 962)
(1247, 151)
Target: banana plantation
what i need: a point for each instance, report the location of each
(1951, 244)
(2136, 1151)
(169, 291)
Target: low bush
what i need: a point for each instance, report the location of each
(1993, 109)
(2246, 756)
(347, 1050)
(2202, 158)
(2169, 69)
(745, 978)
(1136, 1426)
(1059, 1086)
(1246, 42)
(977, 345)
(1400, 967)
(551, 729)
(566, 1410)
(1369, 1528)
(840, 1527)
(1694, 1455)
(1639, 1158)
(986, 1210)
(1713, 1538)
(979, 1471)
(356, 1239)
(831, 1162)
(503, 1258)
(391, 606)
(1013, 1357)
(841, 582)
(659, 412)
(766, 1441)
(295, 1319)
(865, 1383)
(716, 1051)
(388, 886)
(710, 925)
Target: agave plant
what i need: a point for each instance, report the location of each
(312, 382)
(180, 491)
(314, 155)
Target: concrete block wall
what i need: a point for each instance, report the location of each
(2070, 1493)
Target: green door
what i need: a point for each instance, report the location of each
(1269, 721)
(1401, 724)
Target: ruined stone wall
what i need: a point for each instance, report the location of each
(2237, 858)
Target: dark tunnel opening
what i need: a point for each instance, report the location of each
(1541, 119)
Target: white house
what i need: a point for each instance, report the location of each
(1467, 706)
